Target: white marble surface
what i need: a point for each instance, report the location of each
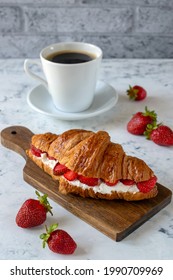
(154, 239)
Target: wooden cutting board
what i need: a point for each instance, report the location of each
(116, 219)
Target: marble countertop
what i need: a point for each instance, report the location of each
(154, 239)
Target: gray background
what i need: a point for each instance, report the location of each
(122, 28)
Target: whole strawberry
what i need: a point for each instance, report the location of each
(58, 240)
(33, 212)
(138, 123)
(136, 93)
(160, 134)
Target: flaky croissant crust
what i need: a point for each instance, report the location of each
(93, 155)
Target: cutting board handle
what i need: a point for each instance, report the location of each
(16, 138)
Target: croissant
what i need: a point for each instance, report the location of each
(88, 164)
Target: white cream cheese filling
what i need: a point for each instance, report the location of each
(100, 188)
(50, 162)
(105, 189)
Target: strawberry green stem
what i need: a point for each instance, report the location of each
(45, 236)
(151, 114)
(44, 201)
(150, 127)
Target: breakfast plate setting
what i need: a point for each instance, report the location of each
(105, 99)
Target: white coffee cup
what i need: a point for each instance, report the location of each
(72, 86)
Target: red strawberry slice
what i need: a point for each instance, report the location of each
(36, 152)
(70, 175)
(59, 169)
(51, 158)
(88, 180)
(127, 182)
(147, 186)
(111, 184)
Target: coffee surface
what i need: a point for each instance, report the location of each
(70, 57)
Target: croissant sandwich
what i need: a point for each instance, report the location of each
(88, 164)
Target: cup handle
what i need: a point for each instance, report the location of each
(27, 64)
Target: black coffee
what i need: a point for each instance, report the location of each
(70, 57)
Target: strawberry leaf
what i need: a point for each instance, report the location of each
(44, 201)
(132, 93)
(150, 127)
(151, 114)
(45, 236)
(52, 228)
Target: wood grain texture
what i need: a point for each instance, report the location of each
(116, 219)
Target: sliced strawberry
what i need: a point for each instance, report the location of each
(59, 169)
(88, 180)
(111, 184)
(127, 182)
(51, 158)
(36, 152)
(147, 186)
(70, 175)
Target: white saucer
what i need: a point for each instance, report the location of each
(105, 98)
